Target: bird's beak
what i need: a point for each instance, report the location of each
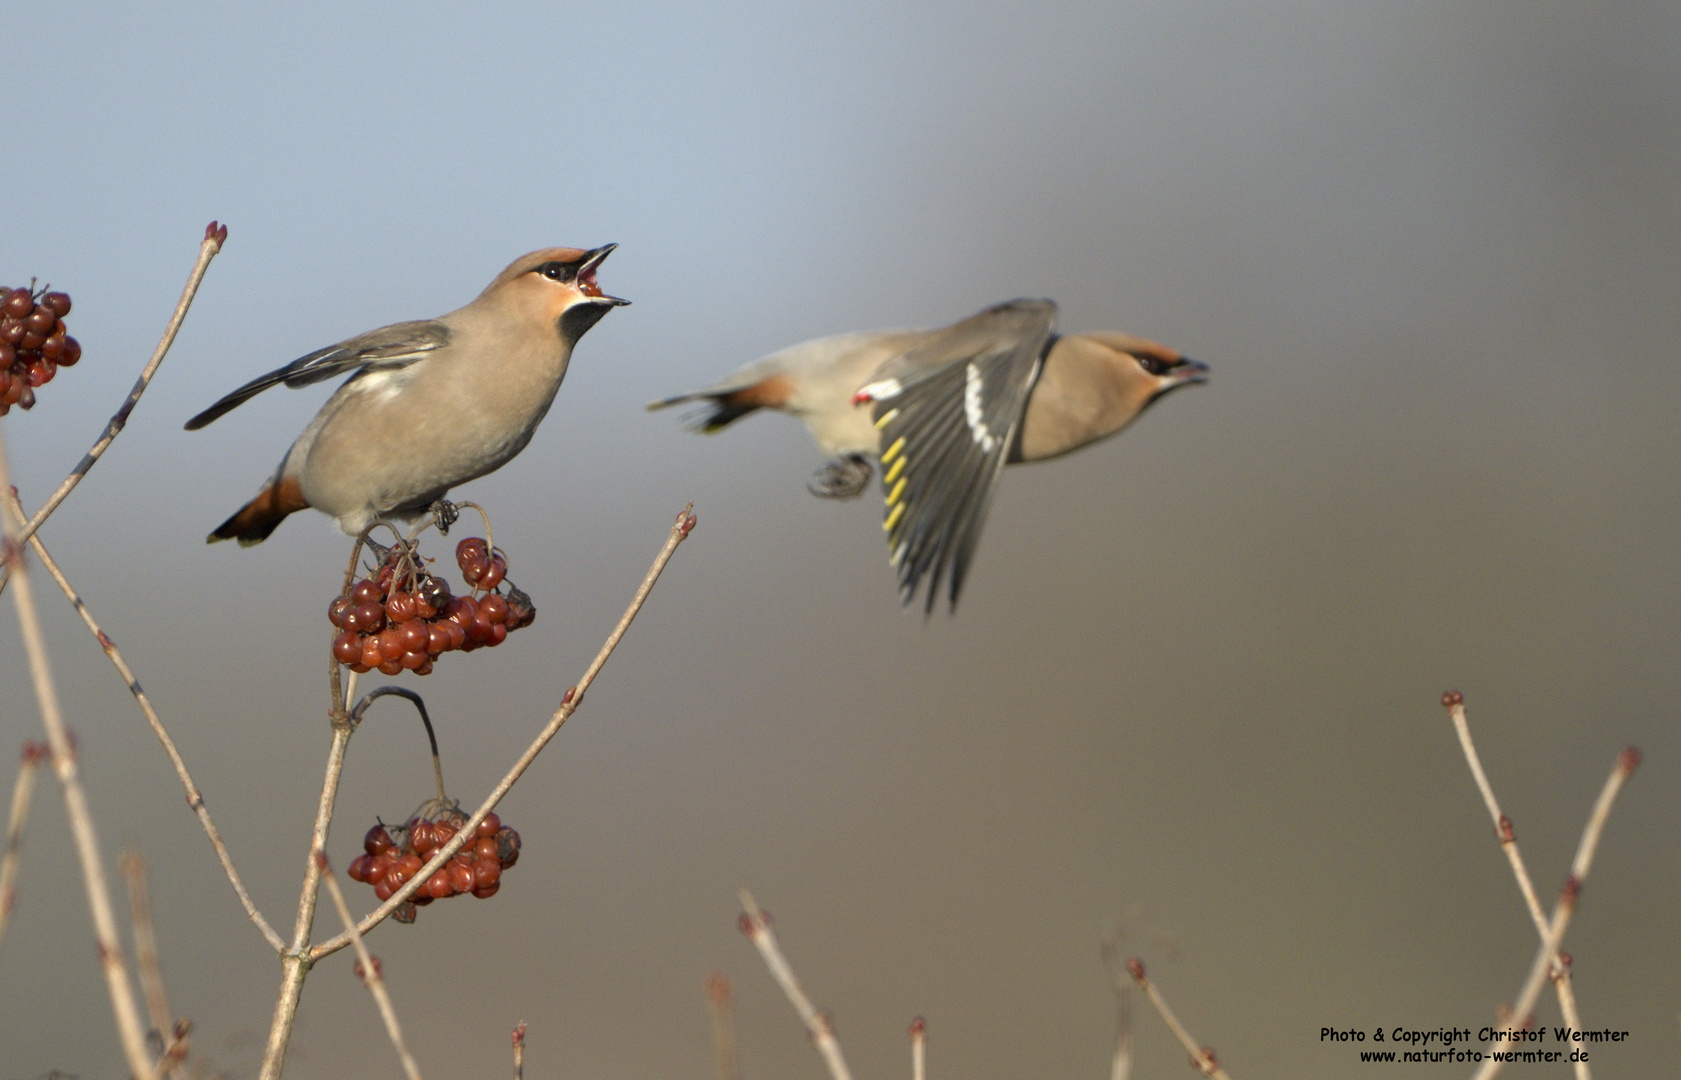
(586, 277)
(1188, 371)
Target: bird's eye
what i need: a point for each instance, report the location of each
(1154, 365)
(558, 271)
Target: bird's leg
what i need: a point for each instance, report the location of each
(445, 514)
(845, 477)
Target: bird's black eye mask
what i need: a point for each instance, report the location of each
(562, 272)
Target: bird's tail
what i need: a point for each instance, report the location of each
(263, 514)
(722, 407)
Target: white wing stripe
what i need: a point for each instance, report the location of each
(972, 409)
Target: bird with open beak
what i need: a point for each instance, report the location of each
(943, 411)
(428, 404)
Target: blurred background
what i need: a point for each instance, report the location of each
(1431, 251)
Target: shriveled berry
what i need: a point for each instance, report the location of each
(347, 647)
(487, 872)
(370, 652)
(490, 824)
(471, 550)
(421, 837)
(409, 865)
(391, 644)
(507, 847)
(461, 877)
(378, 841)
(443, 832)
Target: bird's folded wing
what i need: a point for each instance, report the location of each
(392, 346)
(948, 411)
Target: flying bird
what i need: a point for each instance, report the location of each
(943, 411)
(429, 404)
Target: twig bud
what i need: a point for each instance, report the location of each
(1572, 889)
(34, 752)
(1450, 698)
(1135, 968)
(519, 1034)
(1629, 760)
(379, 972)
(919, 1028)
(1505, 832)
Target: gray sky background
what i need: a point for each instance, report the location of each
(1431, 251)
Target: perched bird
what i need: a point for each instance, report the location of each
(430, 404)
(943, 411)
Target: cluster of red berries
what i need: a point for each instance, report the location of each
(390, 863)
(33, 344)
(403, 617)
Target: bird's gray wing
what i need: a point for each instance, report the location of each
(948, 411)
(392, 346)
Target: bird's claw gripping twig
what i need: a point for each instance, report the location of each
(444, 513)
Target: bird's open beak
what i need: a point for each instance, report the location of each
(586, 277)
(1188, 371)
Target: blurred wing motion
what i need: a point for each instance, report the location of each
(948, 411)
(389, 347)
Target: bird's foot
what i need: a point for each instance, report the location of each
(445, 514)
(843, 478)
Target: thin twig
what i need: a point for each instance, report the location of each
(1202, 1057)
(1507, 835)
(414, 699)
(1627, 762)
(214, 237)
(129, 1030)
(757, 928)
(919, 1049)
(569, 704)
(195, 798)
(519, 1051)
(22, 794)
(133, 866)
(720, 1001)
(370, 971)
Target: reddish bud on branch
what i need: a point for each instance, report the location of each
(35, 752)
(216, 232)
(361, 973)
(1135, 968)
(1505, 832)
(1629, 760)
(1450, 698)
(1572, 889)
(567, 700)
(519, 1035)
(919, 1028)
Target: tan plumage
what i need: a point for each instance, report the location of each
(943, 411)
(430, 404)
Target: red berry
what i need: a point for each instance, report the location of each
(471, 550)
(443, 832)
(391, 667)
(40, 321)
(485, 848)
(53, 347)
(498, 634)
(337, 610)
(495, 608)
(58, 303)
(391, 644)
(360, 668)
(424, 669)
(370, 652)
(378, 841)
(72, 352)
(383, 888)
(357, 865)
(399, 607)
(415, 635)
(438, 886)
(41, 372)
(409, 865)
(437, 640)
(486, 872)
(457, 635)
(461, 877)
(421, 837)
(370, 617)
(419, 899)
(462, 611)
(494, 573)
(366, 592)
(19, 304)
(414, 661)
(490, 824)
(347, 647)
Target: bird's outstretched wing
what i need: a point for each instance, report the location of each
(948, 411)
(392, 346)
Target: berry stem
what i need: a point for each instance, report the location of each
(431, 736)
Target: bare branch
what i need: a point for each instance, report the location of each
(214, 236)
(370, 971)
(1202, 1057)
(1627, 762)
(22, 794)
(919, 1049)
(133, 867)
(757, 927)
(1507, 835)
(569, 704)
(519, 1051)
(720, 1000)
(129, 1030)
(195, 799)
